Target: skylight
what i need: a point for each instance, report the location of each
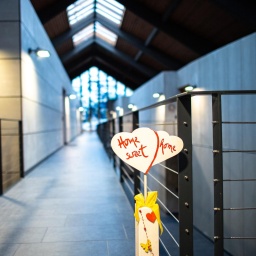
(83, 35)
(105, 34)
(111, 10)
(81, 9)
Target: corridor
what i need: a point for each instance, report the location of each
(72, 204)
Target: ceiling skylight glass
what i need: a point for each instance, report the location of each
(81, 9)
(110, 10)
(105, 34)
(83, 35)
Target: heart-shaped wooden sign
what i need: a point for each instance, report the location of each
(169, 146)
(138, 149)
(145, 147)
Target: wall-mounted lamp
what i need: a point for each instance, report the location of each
(190, 88)
(112, 113)
(40, 52)
(130, 106)
(134, 108)
(120, 110)
(156, 95)
(159, 96)
(72, 96)
(187, 88)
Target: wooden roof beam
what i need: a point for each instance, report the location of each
(244, 10)
(158, 56)
(58, 40)
(181, 34)
(110, 49)
(53, 10)
(131, 82)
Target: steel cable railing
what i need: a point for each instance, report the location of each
(129, 175)
(178, 222)
(11, 153)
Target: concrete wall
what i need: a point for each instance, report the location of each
(232, 67)
(10, 91)
(10, 82)
(229, 68)
(44, 107)
(31, 88)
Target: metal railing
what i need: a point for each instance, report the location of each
(11, 153)
(176, 178)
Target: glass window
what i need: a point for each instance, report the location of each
(128, 92)
(76, 84)
(93, 74)
(97, 88)
(120, 89)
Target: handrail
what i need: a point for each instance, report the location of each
(130, 177)
(192, 93)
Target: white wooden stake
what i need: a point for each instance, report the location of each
(145, 186)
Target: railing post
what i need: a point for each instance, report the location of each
(22, 174)
(135, 125)
(185, 177)
(218, 174)
(1, 164)
(120, 127)
(113, 133)
(107, 137)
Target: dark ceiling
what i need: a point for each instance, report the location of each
(155, 35)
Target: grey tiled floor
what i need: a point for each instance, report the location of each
(70, 205)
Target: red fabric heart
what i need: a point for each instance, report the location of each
(151, 217)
